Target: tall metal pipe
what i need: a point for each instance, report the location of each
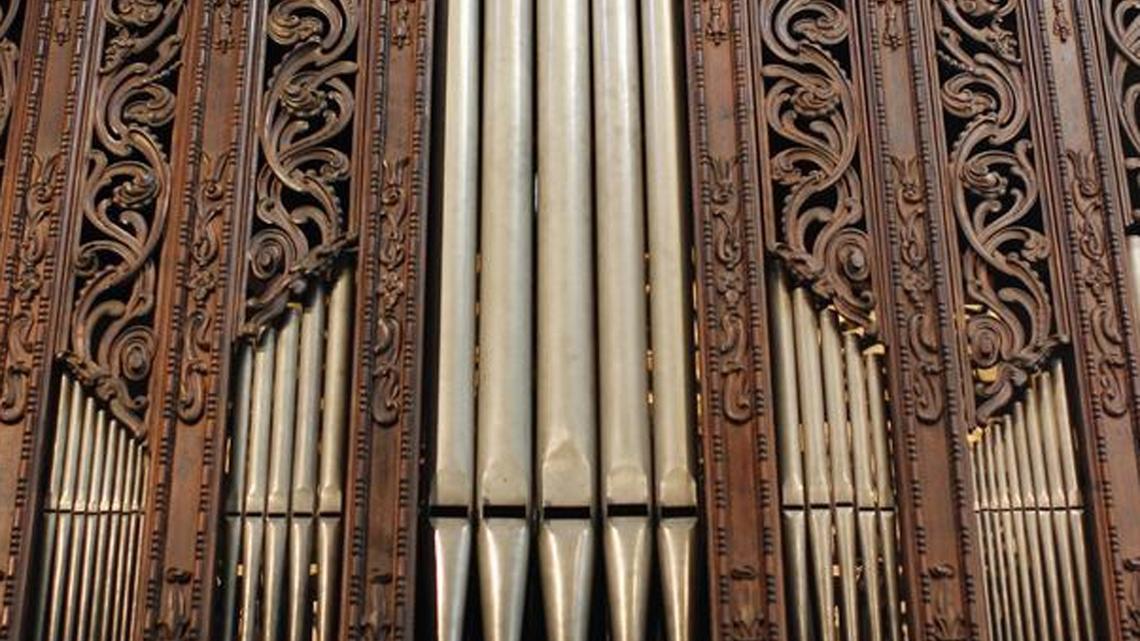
(503, 442)
(453, 477)
(623, 386)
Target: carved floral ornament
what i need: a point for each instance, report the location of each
(814, 129)
(125, 199)
(996, 200)
(301, 225)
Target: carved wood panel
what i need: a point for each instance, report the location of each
(741, 504)
(955, 177)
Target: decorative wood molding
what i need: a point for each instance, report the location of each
(42, 174)
(741, 502)
(917, 311)
(383, 467)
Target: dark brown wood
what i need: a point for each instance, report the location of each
(940, 564)
(741, 502)
(386, 403)
(955, 179)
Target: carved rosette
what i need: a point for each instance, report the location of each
(124, 199)
(301, 226)
(994, 187)
(812, 132)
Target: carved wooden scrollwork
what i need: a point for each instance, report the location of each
(995, 196)
(125, 200)
(812, 125)
(1122, 29)
(301, 224)
(9, 56)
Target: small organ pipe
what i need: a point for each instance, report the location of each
(862, 444)
(260, 419)
(787, 391)
(78, 505)
(811, 405)
(1008, 542)
(328, 575)
(334, 430)
(308, 413)
(284, 412)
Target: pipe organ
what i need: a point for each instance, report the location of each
(652, 320)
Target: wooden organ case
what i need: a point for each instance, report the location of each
(570, 319)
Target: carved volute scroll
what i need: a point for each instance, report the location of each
(301, 220)
(11, 27)
(993, 188)
(125, 200)
(1121, 36)
(812, 131)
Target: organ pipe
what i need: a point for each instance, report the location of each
(836, 491)
(1036, 565)
(282, 528)
(503, 442)
(93, 523)
(453, 474)
(623, 421)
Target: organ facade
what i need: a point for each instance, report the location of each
(570, 319)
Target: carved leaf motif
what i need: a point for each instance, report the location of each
(25, 328)
(391, 290)
(995, 198)
(302, 185)
(730, 336)
(1106, 349)
(125, 199)
(917, 282)
(946, 621)
(813, 127)
(205, 274)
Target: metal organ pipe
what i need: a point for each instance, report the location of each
(626, 454)
(284, 488)
(92, 521)
(835, 474)
(1033, 544)
(591, 142)
(453, 475)
(503, 442)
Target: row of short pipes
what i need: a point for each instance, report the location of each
(835, 470)
(560, 399)
(285, 479)
(92, 525)
(1031, 518)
